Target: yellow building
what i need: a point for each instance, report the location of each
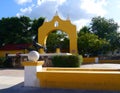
(13, 49)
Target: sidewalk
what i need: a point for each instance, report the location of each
(12, 81)
(10, 77)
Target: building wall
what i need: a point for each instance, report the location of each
(115, 53)
(4, 52)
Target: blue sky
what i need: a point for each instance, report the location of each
(79, 11)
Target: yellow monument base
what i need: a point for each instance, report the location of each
(72, 78)
(28, 63)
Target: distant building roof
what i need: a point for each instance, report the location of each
(15, 46)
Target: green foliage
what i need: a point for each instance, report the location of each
(8, 63)
(65, 45)
(106, 29)
(57, 39)
(20, 30)
(53, 41)
(2, 59)
(67, 61)
(99, 38)
(114, 40)
(15, 30)
(84, 30)
(103, 27)
(89, 43)
(35, 25)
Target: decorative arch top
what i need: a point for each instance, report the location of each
(57, 23)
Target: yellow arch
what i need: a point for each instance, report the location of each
(57, 24)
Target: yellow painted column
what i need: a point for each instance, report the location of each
(57, 50)
(41, 51)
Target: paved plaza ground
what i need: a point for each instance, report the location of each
(12, 81)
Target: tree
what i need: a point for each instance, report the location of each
(89, 43)
(114, 39)
(57, 39)
(103, 27)
(65, 45)
(35, 25)
(84, 30)
(106, 29)
(15, 30)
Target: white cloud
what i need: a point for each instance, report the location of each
(119, 25)
(25, 11)
(79, 11)
(45, 8)
(94, 6)
(80, 23)
(39, 2)
(23, 1)
(59, 2)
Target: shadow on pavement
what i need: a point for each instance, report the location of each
(19, 88)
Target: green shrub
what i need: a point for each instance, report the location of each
(8, 63)
(67, 61)
(2, 59)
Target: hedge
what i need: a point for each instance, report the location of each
(2, 59)
(5, 62)
(67, 61)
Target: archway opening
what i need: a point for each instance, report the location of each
(57, 39)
